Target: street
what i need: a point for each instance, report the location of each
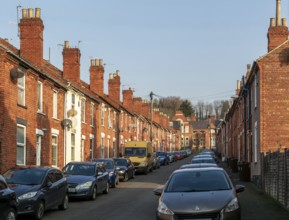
(129, 200)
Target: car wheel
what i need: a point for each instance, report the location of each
(125, 177)
(106, 188)
(146, 171)
(64, 204)
(10, 214)
(39, 210)
(94, 194)
(113, 185)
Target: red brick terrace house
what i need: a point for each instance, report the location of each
(262, 117)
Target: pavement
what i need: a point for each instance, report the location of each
(255, 203)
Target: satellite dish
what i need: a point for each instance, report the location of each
(74, 122)
(71, 112)
(17, 72)
(66, 123)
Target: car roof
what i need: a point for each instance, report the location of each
(102, 159)
(83, 163)
(202, 169)
(197, 165)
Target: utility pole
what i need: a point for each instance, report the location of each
(151, 131)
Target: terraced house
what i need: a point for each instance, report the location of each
(51, 117)
(258, 120)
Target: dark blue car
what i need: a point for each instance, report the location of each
(37, 189)
(86, 179)
(164, 157)
(111, 169)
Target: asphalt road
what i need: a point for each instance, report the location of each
(130, 200)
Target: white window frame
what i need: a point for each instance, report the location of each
(55, 104)
(92, 114)
(102, 143)
(102, 114)
(21, 146)
(109, 119)
(83, 110)
(38, 149)
(255, 142)
(21, 91)
(39, 96)
(73, 100)
(54, 146)
(72, 147)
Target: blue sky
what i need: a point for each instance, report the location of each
(194, 49)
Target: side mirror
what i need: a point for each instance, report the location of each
(158, 191)
(240, 188)
(48, 184)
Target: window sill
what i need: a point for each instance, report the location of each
(22, 106)
(41, 113)
(57, 119)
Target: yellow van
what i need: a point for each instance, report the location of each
(141, 155)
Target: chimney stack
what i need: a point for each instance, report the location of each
(137, 105)
(278, 30)
(97, 76)
(31, 36)
(127, 96)
(146, 112)
(71, 63)
(114, 86)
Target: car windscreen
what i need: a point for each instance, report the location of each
(25, 176)
(198, 181)
(135, 151)
(161, 154)
(108, 164)
(120, 162)
(79, 169)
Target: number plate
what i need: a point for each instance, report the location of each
(71, 190)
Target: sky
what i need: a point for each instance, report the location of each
(192, 49)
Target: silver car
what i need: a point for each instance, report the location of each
(199, 193)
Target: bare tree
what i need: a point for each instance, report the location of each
(217, 107)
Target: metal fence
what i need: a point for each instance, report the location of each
(275, 176)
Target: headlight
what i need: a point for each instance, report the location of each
(27, 196)
(162, 208)
(143, 164)
(232, 206)
(121, 171)
(111, 174)
(84, 185)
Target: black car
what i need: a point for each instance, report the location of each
(37, 189)
(86, 179)
(125, 168)
(111, 169)
(8, 202)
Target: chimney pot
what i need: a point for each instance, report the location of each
(37, 12)
(100, 62)
(272, 22)
(24, 13)
(284, 22)
(110, 76)
(117, 73)
(30, 12)
(92, 62)
(96, 62)
(66, 44)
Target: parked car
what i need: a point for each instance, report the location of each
(111, 169)
(172, 157)
(178, 155)
(164, 157)
(8, 202)
(199, 193)
(198, 165)
(37, 189)
(125, 168)
(156, 163)
(86, 179)
(203, 160)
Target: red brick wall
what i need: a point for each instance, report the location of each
(274, 102)
(114, 87)
(128, 99)
(71, 64)
(97, 79)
